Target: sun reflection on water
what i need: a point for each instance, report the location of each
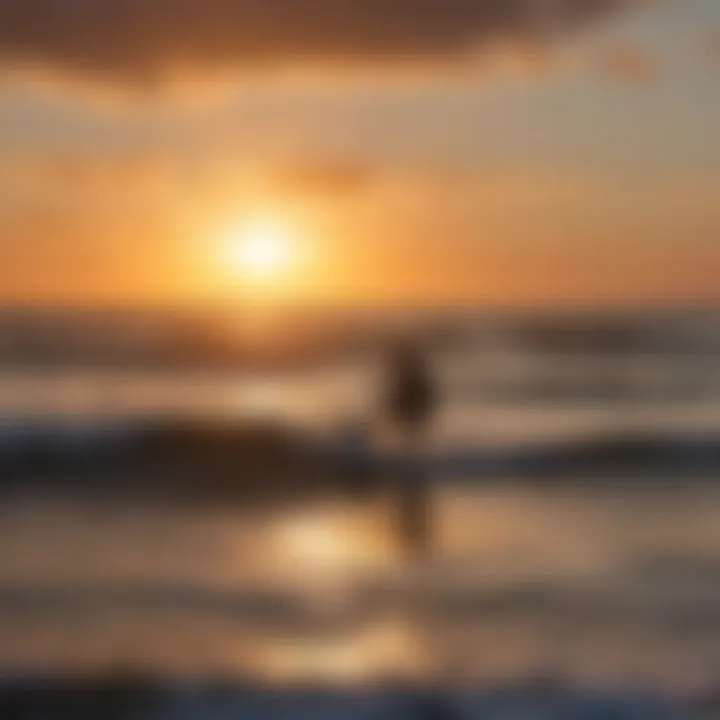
(385, 649)
(334, 539)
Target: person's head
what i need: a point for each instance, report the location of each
(406, 354)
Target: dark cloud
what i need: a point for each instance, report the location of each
(143, 39)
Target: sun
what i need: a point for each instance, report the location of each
(263, 251)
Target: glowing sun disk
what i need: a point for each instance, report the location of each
(263, 251)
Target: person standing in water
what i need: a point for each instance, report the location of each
(410, 402)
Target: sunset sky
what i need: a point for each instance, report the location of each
(430, 151)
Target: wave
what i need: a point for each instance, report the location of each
(212, 446)
(129, 696)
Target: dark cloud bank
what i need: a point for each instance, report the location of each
(129, 39)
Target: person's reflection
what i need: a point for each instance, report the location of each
(410, 400)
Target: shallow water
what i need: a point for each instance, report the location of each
(494, 408)
(613, 584)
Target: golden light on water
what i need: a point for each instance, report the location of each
(390, 647)
(328, 541)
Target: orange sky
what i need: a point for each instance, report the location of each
(582, 170)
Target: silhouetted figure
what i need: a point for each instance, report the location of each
(410, 401)
(411, 393)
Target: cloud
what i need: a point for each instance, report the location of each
(145, 41)
(327, 178)
(712, 45)
(629, 65)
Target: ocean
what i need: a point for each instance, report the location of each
(601, 570)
